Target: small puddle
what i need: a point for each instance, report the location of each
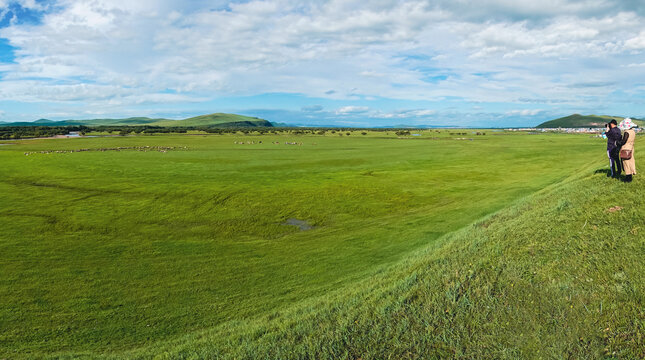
(301, 224)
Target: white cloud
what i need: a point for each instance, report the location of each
(368, 73)
(636, 43)
(423, 112)
(564, 36)
(254, 47)
(26, 4)
(31, 4)
(120, 52)
(4, 8)
(352, 110)
(524, 112)
(403, 114)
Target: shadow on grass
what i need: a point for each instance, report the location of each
(607, 172)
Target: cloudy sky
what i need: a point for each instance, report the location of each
(343, 62)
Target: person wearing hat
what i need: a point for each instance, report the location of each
(613, 139)
(627, 149)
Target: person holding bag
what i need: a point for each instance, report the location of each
(627, 149)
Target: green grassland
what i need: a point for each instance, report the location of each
(420, 247)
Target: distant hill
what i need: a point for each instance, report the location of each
(279, 124)
(584, 121)
(43, 121)
(210, 120)
(90, 122)
(218, 119)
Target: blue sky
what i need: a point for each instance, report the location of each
(346, 62)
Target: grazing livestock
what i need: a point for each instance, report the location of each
(162, 149)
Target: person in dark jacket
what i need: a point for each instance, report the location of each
(613, 147)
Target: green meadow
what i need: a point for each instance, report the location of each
(319, 246)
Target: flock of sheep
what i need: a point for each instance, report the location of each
(273, 142)
(162, 149)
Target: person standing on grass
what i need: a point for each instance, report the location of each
(627, 142)
(613, 147)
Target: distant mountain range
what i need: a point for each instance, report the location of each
(210, 120)
(584, 121)
(233, 120)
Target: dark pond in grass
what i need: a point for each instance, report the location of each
(301, 224)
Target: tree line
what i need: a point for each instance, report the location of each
(24, 132)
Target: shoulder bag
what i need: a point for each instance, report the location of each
(625, 154)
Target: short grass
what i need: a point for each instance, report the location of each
(557, 275)
(110, 252)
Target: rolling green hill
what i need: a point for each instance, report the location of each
(557, 275)
(583, 121)
(211, 120)
(218, 119)
(89, 122)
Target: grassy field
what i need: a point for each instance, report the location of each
(556, 275)
(183, 248)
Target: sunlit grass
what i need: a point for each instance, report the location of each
(110, 251)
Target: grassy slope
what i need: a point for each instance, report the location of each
(108, 251)
(90, 122)
(214, 119)
(577, 120)
(555, 276)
